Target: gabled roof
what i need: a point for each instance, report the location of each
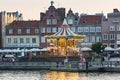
(23, 24)
(90, 19)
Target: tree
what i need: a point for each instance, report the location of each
(97, 47)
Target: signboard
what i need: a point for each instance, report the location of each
(70, 36)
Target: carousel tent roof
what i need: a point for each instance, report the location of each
(65, 32)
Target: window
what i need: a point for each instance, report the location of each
(19, 31)
(87, 39)
(42, 30)
(33, 40)
(21, 40)
(54, 21)
(48, 21)
(98, 29)
(48, 29)
(118, 28)
(27, 31)
(92, 29)
(42, 39)
(86, 29)
(27, 40)
(112, 28)
(105, 36)
(98, 39)
(116, 20)
(9, 40)
(10, 31)
(36, 31)
(80, 29)
(112, 36)
(92, 38)
(118, 37)
(15, 40)
(54, 29)
(73, 29)
(70, 21)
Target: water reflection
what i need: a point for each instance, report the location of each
(65, 76)
(54, 75)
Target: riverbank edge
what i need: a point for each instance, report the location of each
(61, 69)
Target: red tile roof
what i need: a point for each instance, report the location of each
(23, 24)
(90, 19)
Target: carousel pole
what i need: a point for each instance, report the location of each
(66, 50)
(58, 46)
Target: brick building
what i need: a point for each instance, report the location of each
(50, 22)
(91, 26)
(111, 29)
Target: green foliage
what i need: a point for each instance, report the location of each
(97, 56)
(87, 54)
(97, 47)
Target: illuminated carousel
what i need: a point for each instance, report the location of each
(64, 42)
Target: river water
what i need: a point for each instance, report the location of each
(54, 75)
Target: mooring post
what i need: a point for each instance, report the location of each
(86, 66)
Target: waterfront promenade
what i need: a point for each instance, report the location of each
(113, 65)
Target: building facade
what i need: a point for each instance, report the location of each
(91, 26)
(50, 22)
(111, 29)
(7, 18)
(22, 34)
(72, 20)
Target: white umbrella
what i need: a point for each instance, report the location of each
(44, 49)
(16, 50)
(118, 49)
(35, 49)
(86, 49)
(1, 50)
(109, 49)
(7, 50)
(25, 50)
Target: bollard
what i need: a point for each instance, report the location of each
(86, 66)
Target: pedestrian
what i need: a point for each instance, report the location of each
(13, 60)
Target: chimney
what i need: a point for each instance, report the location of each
(115, 10)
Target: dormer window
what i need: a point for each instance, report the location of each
(10, 31)
(27, 31)
(19, 31)
(84, 22)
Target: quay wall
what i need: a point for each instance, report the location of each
(106, 66)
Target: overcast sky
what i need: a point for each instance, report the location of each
(31, 8)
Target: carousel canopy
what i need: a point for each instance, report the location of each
(65, 32)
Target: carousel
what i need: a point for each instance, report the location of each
(64, 42)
